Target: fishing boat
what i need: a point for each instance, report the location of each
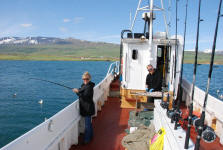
(122, 91)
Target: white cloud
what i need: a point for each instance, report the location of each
(66, 20)
(26, 25)
(78, 20)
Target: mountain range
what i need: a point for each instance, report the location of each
(51, 48)
(207, 51)
(69, 48)
(45, 41)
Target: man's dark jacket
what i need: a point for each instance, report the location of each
(86, 103)
(154, 81)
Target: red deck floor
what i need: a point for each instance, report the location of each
(109, 128)
(110, 124)
(203, 146)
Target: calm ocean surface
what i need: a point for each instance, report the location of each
(23, 112)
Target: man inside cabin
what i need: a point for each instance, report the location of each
(153, 81)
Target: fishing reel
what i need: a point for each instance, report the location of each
(177, 114)
(174, 114)
(208, 134)
(170, 113)
(196, 122)
(164, 104)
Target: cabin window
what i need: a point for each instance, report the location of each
(134, 54)
(159, 52)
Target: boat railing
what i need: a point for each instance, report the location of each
(53, 130)
(214, 107)
(62, 130)
(113, 68)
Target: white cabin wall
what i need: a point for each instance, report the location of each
(174, 83)
(179, 57)
(171, 64)
(124, 60)
(135, 71)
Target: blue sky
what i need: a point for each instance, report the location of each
(101, 20)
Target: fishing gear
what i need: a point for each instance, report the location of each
(52, 83)
(201, 127)
(164, 104)
(193, 83)
(175, 68)
(181, 73)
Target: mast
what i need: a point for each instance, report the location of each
(149, 9)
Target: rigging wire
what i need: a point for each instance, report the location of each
(193, 83)
(181, 73)
(200, 129)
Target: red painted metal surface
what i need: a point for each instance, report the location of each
(109, 128)
(110, 124)
(203, 146)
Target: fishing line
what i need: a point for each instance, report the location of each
(193, 83)
(201, 127)
(181, 73)
(52, 83)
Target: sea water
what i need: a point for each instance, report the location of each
(202, 77)
(20, 109)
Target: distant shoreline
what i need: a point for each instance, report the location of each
(70, 58)
(53, 58)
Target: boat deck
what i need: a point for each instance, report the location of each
(109, 128)
(203, 145)
(110, 124)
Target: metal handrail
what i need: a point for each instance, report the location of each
(113, 68)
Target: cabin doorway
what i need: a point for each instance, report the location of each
(163, 55)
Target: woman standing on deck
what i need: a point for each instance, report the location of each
(86, 104)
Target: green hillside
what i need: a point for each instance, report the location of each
(100, 51)
(80, 51)
(203, 58)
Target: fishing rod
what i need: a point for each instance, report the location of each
(181, 73)
(175, 67)
(52, 83)
(201, 127)
(193, 83)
